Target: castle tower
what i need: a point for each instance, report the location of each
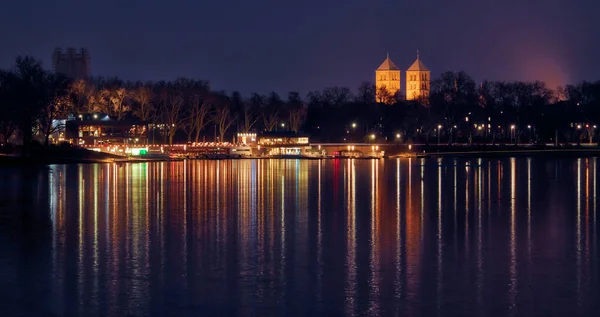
(72, 63)
(387, 78)
(418, 80)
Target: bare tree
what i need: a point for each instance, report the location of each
(382, 95)
(297, 111)
(223, 118)
(297, 116)
(366, 93)
(117, 100)
(142, 96)
(101, 100)
(270, 111)
(25, 89)
(171, 112)
(250, 117)
(81, 96)
(49, 120)
(270, 118)
(200, 110)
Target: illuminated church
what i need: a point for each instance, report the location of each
(418, 79)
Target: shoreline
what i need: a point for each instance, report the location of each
(12, 160)
(564, 152)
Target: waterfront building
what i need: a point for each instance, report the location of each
(100, 129)
(283, 143)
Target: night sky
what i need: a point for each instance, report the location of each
(268, 45)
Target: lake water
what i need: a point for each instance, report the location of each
(398, 237)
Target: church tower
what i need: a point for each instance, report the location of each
(418, 80)
(387, 78)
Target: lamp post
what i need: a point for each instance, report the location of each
(512, 130)
(439, 127)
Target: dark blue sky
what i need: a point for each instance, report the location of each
(266, 45)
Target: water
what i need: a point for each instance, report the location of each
(512, 237)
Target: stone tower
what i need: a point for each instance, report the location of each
(418, 80)
(387, 77)
(73, 64)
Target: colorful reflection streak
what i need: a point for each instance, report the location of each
(405, 237)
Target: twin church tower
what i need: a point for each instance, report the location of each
(418, 79)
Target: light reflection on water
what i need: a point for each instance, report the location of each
(444, 237)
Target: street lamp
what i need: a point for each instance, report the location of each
(372, 136)
(439, 127)
(353, 125)
(512, 129)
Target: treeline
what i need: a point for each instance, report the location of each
(458, 109)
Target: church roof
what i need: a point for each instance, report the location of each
(388, 65)
(418, 66)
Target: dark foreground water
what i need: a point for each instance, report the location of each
(513, 237)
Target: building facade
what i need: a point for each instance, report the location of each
(74, 64)
(100, 129)
(387, 78)
(418, 80)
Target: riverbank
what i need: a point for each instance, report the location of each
(72, 155)
(505, 151)
(55, 155)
